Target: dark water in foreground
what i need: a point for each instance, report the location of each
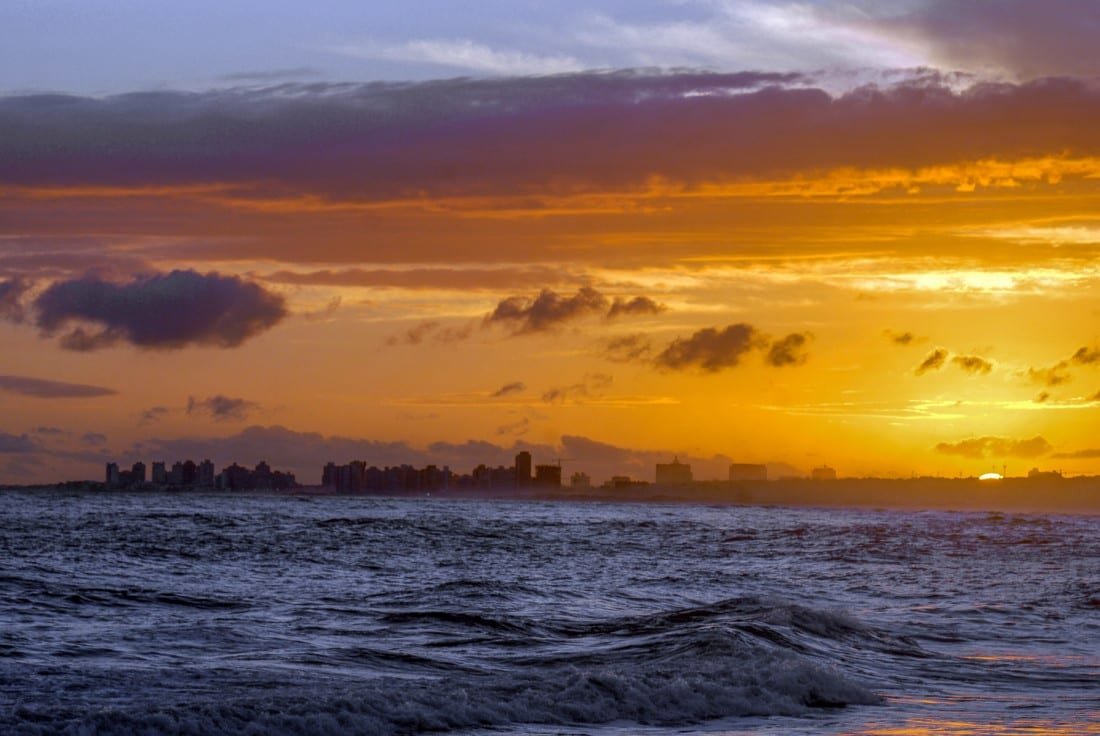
(215, 614)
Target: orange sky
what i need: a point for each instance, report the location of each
(729, 267)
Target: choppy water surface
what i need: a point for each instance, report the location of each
(217, 614)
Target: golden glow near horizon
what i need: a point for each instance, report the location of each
(924, 303)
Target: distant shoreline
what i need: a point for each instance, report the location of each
(1077, 495)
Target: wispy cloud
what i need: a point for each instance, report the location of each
(462, 53)
(46, 389)
(508, 389)
(996, 447)
(222, 408)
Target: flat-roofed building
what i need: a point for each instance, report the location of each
(748, 471)
(548, 476)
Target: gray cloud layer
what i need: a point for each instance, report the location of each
(517, 135)
(1022, 37)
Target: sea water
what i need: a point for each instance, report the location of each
(206, 614)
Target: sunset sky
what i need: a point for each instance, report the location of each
(858, 233)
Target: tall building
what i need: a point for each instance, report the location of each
(206, 474)
(261, 476)
(580, 480)
(748, 471)
(673, 473)
(137, 472)
(112, 478)
(823, 473)
(523, 469)
(160, 475)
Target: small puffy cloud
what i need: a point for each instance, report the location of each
(1058, 374)
(154, 414)
(550, 310)
(44, 389)
(639, 305)
(901, 338)
(973, 364)
(508, 389)
(222, 408)
(11, 295)
(788, 351)
(1055, 375)
(711, 349)
(627, 348)
(93, 438)
(932, 362)
(160, 312)
(546, 311)
(996, 447)
(1086, 356)
(17, 443)
(431, 330)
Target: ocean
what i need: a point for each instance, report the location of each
(234, 614)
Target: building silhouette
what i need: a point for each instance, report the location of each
(673, 473)
(548, 476)
(748, 471)
(823, 473)
(523, 469)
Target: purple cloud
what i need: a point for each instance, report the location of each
(711, 349)
(222, 408)
(161, 312)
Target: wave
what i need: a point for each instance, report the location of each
(668, 669)
(750, 685)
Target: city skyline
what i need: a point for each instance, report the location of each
(861, 235)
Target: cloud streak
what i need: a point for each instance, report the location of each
(508, 389)
(978, 448)
(45, 389)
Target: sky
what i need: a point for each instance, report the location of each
(797, 233)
